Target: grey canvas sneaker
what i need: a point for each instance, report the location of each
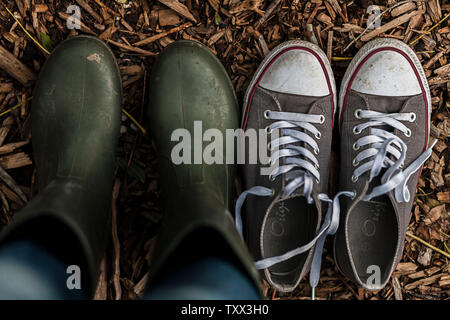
(384, 112)
(292, 93)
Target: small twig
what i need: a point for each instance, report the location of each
(140, 286)
(267, 13)
(397, 288)
(101, 292)
(391, 24)
(26, 32)
(446, 247)
(427, 244)
(179, 8)
(420, 52)
(16, 68)
(5, 128)
(377, 18)
(341, 58)
(144, 92)
(12, 184)
(112, 28)
(101, 4)
(261, 41)
(144, 132)
(442, 232)
(310, 34)
(349, 287)
(15, 107)
(83, 26)
(429, 30)
(89, 9)
(11, 147)
(132, 49)
(162, 34)
(330, 45)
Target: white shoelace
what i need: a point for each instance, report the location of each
(383, 146)
(298, 173)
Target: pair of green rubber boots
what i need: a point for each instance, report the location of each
(76, 116)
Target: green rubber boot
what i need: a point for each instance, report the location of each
(75, 128)
(189, 84)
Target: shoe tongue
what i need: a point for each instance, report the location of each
(294, 103)
(386, 104)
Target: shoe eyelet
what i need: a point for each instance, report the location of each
(402, 165)
(269, 146)
(316, 151)
(318, 135)
(266, 114)
(355, 163)
(413, 117)
(271, 178)
(268, 131)
(322, 119)
(354, 195)
(273, 192)
(355, 147)
(358, 113)
(356, 131)
(354, 179)
(408, 133)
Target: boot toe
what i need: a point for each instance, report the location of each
(190, 84)
(76, 112)
(86, 60)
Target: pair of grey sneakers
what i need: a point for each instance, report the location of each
(384, 122)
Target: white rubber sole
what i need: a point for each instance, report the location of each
(280, 48)
(372, 46)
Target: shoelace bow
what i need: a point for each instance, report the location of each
(299, 172)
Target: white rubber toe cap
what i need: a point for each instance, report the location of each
(387, 73)
(296, 72)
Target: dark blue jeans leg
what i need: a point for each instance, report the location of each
(205, 278)
(29, 271)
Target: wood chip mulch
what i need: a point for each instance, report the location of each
(239, 33)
